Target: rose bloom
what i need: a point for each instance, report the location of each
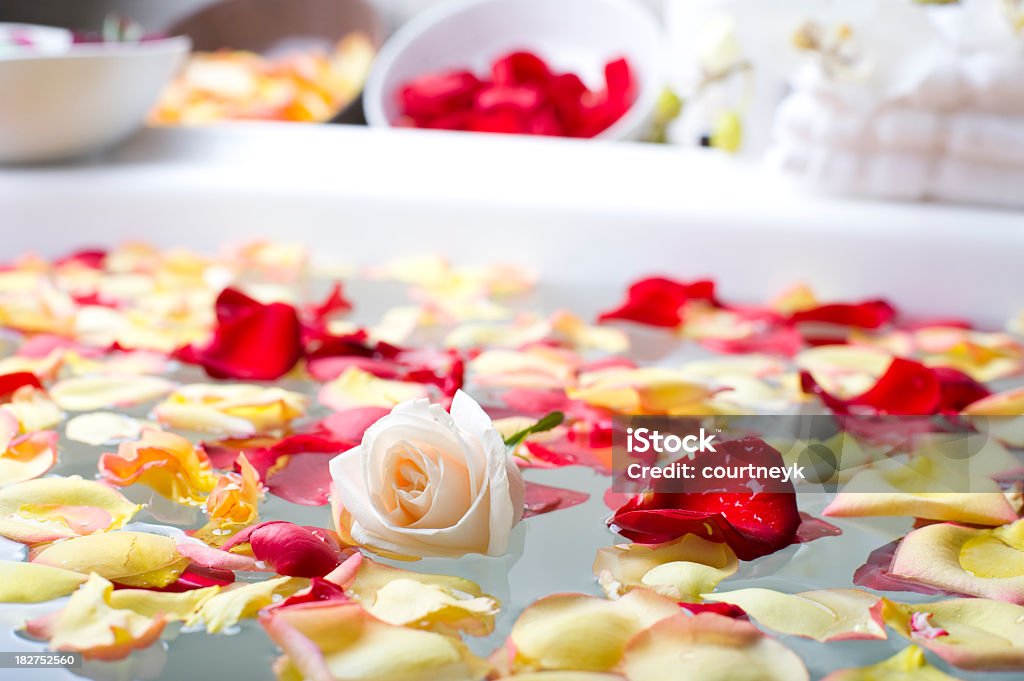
(426, 483)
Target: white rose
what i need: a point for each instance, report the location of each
(426, 483)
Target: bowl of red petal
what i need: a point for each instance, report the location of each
(566, 68)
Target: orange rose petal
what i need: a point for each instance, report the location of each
(233, 503)
(166, 462)
(27, 457)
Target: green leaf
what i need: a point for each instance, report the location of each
(547, 422)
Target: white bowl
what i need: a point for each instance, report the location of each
(59, 105)
(571, 35)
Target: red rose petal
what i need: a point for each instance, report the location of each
(660, 302)
(520, 68)
(334, 304)
(290, 549)
(436, 94)
(958, 390)
(754, 524)
(319, 590)
(906, 388)
(725, 609)
(252, 341)
(871, 314)
(519, 99)
(9, 383)
(91, 258)
(812, 529)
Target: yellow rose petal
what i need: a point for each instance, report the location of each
(91, 393)
(343, 641)
(238, 601)
(681, 569)
(238, 410)
(825, 615)
(409, 602)
(35, 583)
(358, 388)
(172, 605)
(33, 409)
(970, 633)
(583, 633)
(977, 562)
(130, 558)
(89, 624)
(709, 647)
(907, 665)
(48, 509)
(104, 428)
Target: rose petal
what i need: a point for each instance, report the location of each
(33, 409)
(331, 641)
(48, 509)
(981, 634)
(541, 499)
(92, 393)
(410, 602)
(976, 562)
(358, 388)
(130, 558)
(659, 302)
(233, 503)
(825, 615)
(170, 605)
(104, 428)
(752, 524)
(681, 569)
(649, 390)
(291, 549)
(252, 340)
(28, 457)
(583, 633)
(166, 462)
(237, 410)
(89, 624)
(875, 574)
(707, 647)
(240, 601)
(35, 583)
(907, 665)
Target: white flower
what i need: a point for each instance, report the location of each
(426, 483)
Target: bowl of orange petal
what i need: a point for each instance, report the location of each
(278, 60)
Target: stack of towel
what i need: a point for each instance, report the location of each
(948, 126)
